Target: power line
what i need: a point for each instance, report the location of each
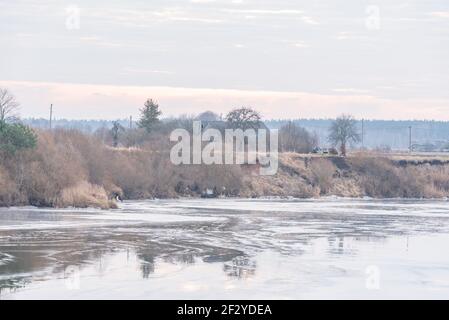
(363, 133)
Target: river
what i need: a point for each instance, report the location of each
(228, 249)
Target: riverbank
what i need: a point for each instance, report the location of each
(355, 176)
(70, 169)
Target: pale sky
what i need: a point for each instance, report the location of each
(382, 59)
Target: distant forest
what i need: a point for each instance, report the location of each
(383, 134)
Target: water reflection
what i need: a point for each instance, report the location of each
(240, 268)
(234, 242)
(9, 285)
(147, 265)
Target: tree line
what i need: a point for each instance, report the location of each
(292, 137)
(15, 136)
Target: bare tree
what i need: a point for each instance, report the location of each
(208, 116)
(296, 139)
(244, 118)
(8, 106)
(344, 131)
(117, 128)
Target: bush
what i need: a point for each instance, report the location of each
(8, 189)
(322, 174)
(381, 178)
(84, 195)
(68, 168)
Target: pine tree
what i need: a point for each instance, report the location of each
(149, 116)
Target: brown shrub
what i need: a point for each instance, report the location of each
(55, 165)
(323, 172)
(69, 168)
(8, 189)
(84, 195)
(380, 178)
(440, 178)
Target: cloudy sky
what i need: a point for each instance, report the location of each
(382, 59)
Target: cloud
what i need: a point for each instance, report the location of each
(203, 1)
(266, 11)
(257, 45)
(129, 70)
(277, 13)
(309, 20)
(145, 17)
(350, 90)
(89, 101)
(345, 35)
(301, 44)
(440, 14)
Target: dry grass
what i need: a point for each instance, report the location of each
(356, 176)
(85, 195)
(72, 169)
(323, 172)
(8, 189)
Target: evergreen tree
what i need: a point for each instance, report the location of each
(149, 116)
(15, 137)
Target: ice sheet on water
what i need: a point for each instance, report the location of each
(430, 208)
(35, 218)
(229, 248)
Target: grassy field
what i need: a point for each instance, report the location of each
(414, 156)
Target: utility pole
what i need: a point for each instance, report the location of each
(410, 139)
(130, 122)
(363, 134)
(51, 114)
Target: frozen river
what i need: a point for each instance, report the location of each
(228, 249)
